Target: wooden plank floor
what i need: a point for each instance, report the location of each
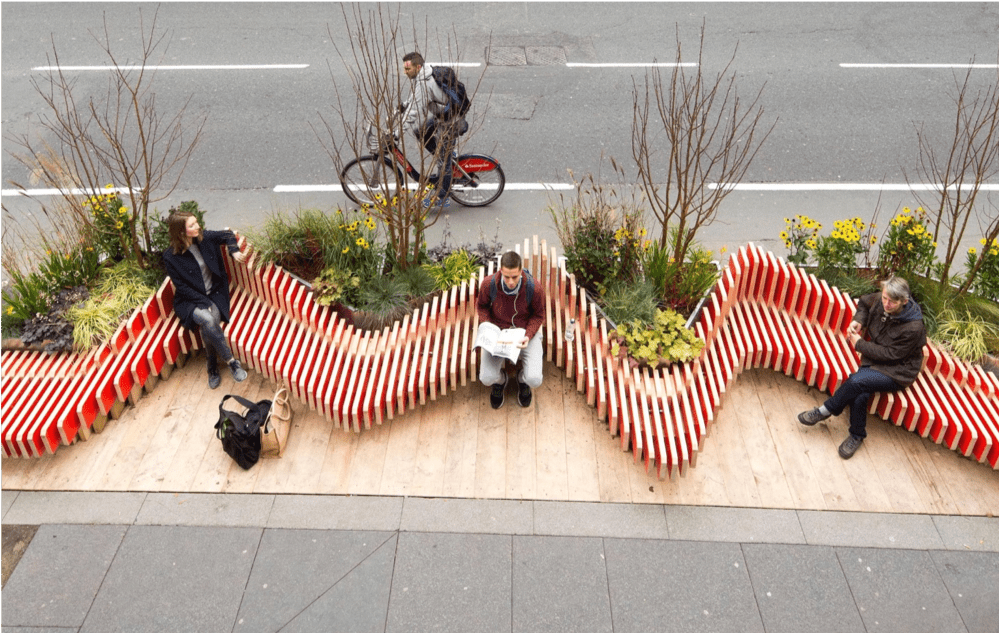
(756, 454)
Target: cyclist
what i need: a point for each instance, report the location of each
(426, 115)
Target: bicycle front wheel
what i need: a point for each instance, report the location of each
(367, 178)
(478, 180)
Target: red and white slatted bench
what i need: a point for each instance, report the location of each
(763, 313)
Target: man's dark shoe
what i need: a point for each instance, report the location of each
(812, 417)
(850, 446)
(524, 395)
(214, 379)
(496, 397)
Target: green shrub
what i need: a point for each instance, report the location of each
(28, 295)
(334, 285)
(311, 241)
(80, 266)
(966, 335)
(907, 247)
(119, 291)
(986, 282)
(417, 280)
(384, 300)
(111, 227)
(625, 302)
(457, 267)
(838, 251)
(665, 341)
(680, 285)
(800, 236)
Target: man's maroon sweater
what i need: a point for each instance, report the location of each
(501, 311)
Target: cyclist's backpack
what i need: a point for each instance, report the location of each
(458, 101)
(528, 285)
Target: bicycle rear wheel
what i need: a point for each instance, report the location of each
(478, 180)
(368, 177)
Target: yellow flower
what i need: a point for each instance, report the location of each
(119, 225)
(983, 241)
(874, 239)
(123, 211)
(783, 235)
(346, 249)
(972, 251)
(109, 186)
(10, 310)
(811, 243)
(363, 243)
(724, 249)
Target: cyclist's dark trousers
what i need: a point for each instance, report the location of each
(855, 393)
(439, 141)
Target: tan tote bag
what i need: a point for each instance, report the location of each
(274, 433)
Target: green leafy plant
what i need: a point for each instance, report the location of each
(384, 300)
(965, 335)
(655, 345)
(417, 280)
(112, 226)
(839, 250)
(457, 267)
(79, 266)
(335, 285)
(311, 241)
(118, 292)
(800, 236)
(986, 282)
(908, 246)
(625, 302)
(601, 234)
(680, 284)
(27, 296)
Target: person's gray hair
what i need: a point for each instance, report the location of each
(897, 288)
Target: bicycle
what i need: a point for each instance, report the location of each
(476, 179)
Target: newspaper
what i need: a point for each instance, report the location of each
(502, 343)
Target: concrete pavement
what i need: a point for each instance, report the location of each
(202, 562)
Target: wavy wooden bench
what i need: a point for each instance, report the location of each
(763, 313)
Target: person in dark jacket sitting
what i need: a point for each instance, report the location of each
(890, 359)
(201, 296)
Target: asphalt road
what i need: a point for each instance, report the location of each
(835, 124)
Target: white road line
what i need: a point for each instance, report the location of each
(631, 65)
(192, 67)
(839, 186)
(919, 65)
(56, 192)
(510, 186)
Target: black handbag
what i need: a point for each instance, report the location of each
(240, 434)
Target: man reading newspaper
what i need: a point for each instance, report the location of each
(511, 301)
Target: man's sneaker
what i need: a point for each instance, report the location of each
(524, 395)
(850, 446)
(496, 397)
(812, 417)
(214, 380)
(238, 373)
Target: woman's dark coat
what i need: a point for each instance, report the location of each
(187, 280)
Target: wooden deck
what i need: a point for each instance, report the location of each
(756, 455)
